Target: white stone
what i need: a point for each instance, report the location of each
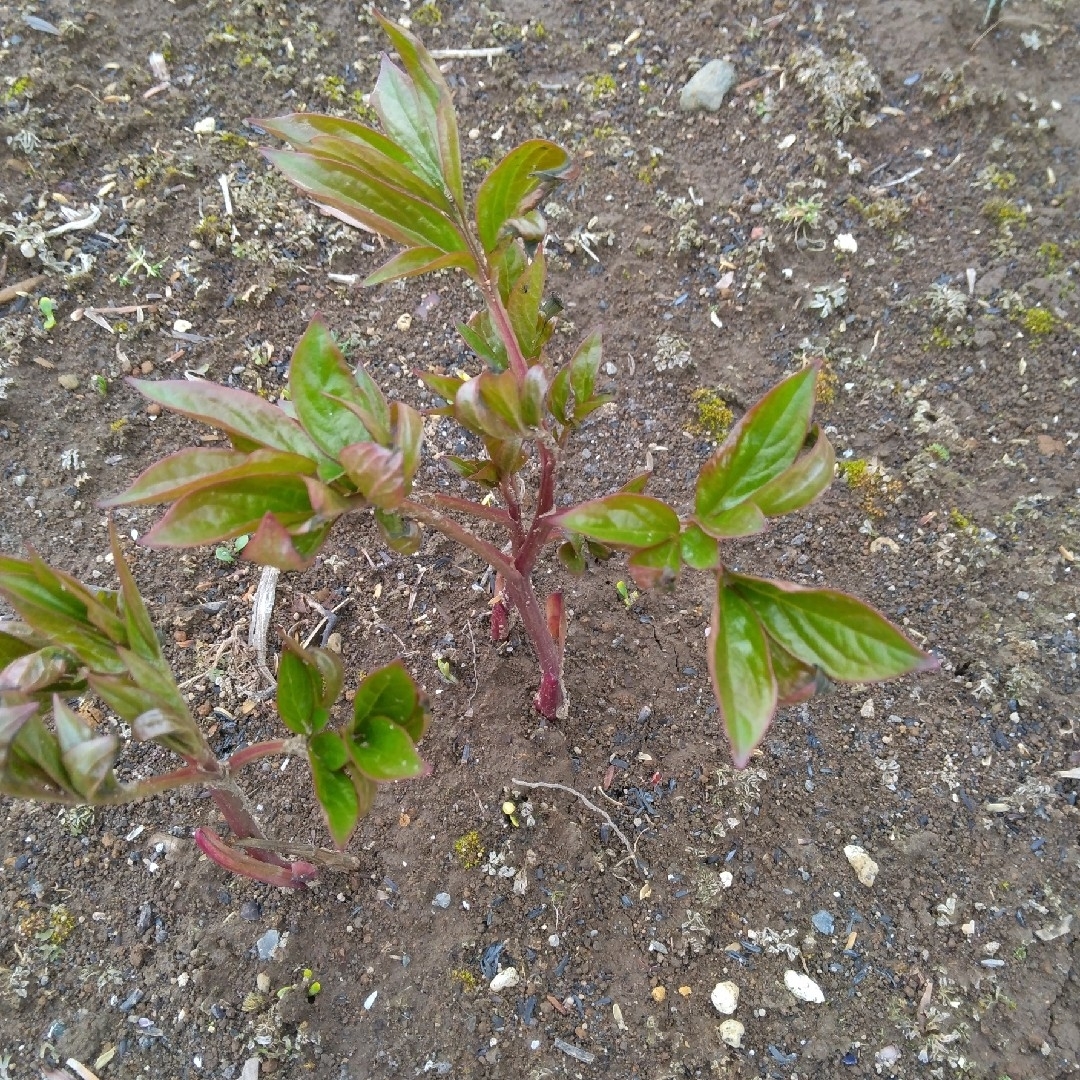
(803, 987)
(865, 868)
(731, 1031)
(847, 243)
(725, 997)
(206, 126)
(708, 88)
(506, 978)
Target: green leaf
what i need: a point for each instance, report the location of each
(388, 691)
(846, 638)
(431, 86)
(394, 213)
(491, 354)
(318, 374)
(236, 412)
(175, 733)
(741, 671)
(533, 392)
(37, 671)
(698, 549)
(472, 406)
(12, 646)
(88, 758)
(523, 307)
(302, 129)
(229, 510)
(559, 400)
(333, 787)
(570, 555)
(383, 750)
(331, 674)
(656, 566)
(400, 534)
(759, 448)
(419, 260)
(446, 386)
(141, 635)
(746, 519)
(501, 393)
(35, 744)
(122, 696)
(584, 368)
(516, 184)
(624, 520)
(377, 471)
(12, 719)
(295, 692)
(801, 483)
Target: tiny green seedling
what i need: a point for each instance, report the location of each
(139, 261)
(227, 553)
(47, 307)
(446, 672)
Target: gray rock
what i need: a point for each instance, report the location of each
(823, 922)
(266, 945)
(708, 88)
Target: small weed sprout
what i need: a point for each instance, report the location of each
(828, 299)
(802, 215)
(947, 305)
(842, 86)
(139, 261)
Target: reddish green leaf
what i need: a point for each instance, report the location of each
(12, 719)
(36, 746)
(37, 671)
(318, 376)
(637, 484)
(388, 691)
(741, 671)
(273, 545)
(301, 129)
(419, 260)
(408, 427)
(396, 214)
(88, 758)
(175, 733)
(472, 406)
(383, 750)
(656, 566)
(516, 184)
(229, 510)
(533, 392)
(846, 638)
(141, 635)
(760, 446)
(234, 411)
(13, 646)
(188, 470)
(377, 471)
(742, 520)
(698, 549)
(624, 520)
(801, 483)
(122, 696)
(365, 158)
(501, 393)
(795, 680)
(333, 787)
(331, 674)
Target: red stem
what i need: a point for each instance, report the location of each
(258, 751)
(427, 515)
(477, 510)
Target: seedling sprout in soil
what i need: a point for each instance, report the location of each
(340, 446)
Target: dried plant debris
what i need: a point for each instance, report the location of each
(842, 86)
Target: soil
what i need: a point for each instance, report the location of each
(953, 408)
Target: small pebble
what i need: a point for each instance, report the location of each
(506, 978)
(658, 994)
(68, 381)
(731, 1032)
(865, 868)
(708, 87)
(823, 922)
(250, 910)
(803, 987)
(553, 941)
(442, 900)
(267, 944)
(725, 998)
(206, 126)
(262, 981)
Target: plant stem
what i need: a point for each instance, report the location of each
(501, 318)
(428, 515)
(477, 510)
(551, 698)
(258, 751)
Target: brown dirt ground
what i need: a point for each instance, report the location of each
(123, 950)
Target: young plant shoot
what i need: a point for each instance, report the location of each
(342, 446)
